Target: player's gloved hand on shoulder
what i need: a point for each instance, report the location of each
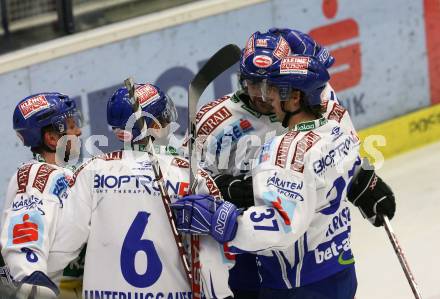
(203, 214)
(302, 43)
(372, 196)
(236, 189)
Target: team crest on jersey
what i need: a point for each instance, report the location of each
(294, 65)
(33, 105)
(146, 94)
(26, 228)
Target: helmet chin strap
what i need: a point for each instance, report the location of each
(288, 115)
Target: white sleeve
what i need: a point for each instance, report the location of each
(289, 200)
(31, 218)
(72, 233)
(215, 268)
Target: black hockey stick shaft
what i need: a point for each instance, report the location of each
(129, 84)
(217, 64)
(403, 262)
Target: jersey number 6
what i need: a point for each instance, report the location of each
(132, 245)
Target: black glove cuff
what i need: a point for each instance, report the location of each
(237, 190)
(360, 185)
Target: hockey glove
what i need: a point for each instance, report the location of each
(202, 214)
(302, 43)
(236, 189)
(372, 196)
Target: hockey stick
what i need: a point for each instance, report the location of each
(129, 84)
(399, 252)
(217, 64)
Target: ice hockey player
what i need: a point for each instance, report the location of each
(115, 206)
(242, 118)
(300, 225)
(36, 190)
(300, 43)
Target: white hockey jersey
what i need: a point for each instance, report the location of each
(131, 252)
(300, 225)
(236, 132)
(34, 212)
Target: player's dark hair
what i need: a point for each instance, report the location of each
(43, 147)
(316, 110)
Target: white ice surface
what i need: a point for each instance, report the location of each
(415, 179)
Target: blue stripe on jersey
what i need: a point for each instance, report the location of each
(327, 259)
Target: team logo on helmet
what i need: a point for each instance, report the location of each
(262, 43)
(146, 93)
(282, 49)
(294, 65)
(262, 61)
(33, 105)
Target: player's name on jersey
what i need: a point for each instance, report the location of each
(101, 294)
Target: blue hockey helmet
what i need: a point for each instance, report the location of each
(152, 100)
(38, 111)
(302, 44)
(261, 51)
(297, 72)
